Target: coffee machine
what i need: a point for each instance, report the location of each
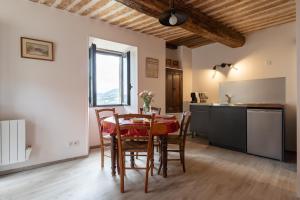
(202, 97)
(194, 97)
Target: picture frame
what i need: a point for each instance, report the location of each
(152, 67)
(175, 64)
(168, 62)
(37, 49)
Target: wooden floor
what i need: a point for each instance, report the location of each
(212, 174)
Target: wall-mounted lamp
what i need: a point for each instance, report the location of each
(222, 65)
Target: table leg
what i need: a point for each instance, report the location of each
(132, 159)
(164, 152)
(113, 155)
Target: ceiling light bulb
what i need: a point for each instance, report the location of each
(173, 19)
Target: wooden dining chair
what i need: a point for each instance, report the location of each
(179, 139)
(128, 143)
(105, 139)
(157, 111)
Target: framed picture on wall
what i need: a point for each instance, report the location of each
(168, 62)
(175, 64)
(152, 65)
(36, 49)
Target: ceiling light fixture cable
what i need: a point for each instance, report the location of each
(173, 16)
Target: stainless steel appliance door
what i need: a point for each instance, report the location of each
(264, 133)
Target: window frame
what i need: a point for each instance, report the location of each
(121, 75)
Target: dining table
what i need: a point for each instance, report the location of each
(162, 126)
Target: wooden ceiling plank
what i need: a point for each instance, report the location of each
(263, 13)
(202, 3)
(217, 4)
(267, 19)
(64, 4)
(79, 5)
(175, 36)
(260, 15)
(267, 22)
(132, 21)
(232, 7)
(268, 25)
(263, 18)
(94, 7)
(120, 15)
(49, 2)
(155, 28)
(142, 26)
(128, 19)
(107, 11)
(171, 30)
(198, 22)
(256, 6)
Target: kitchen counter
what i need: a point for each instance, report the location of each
(225, 125)
(244, 105)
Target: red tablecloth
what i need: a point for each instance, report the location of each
(162, 125)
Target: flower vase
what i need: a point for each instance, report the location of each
(146, 107)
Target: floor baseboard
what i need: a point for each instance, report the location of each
(21, 169)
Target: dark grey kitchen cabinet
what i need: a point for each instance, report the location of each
(228, 127)
(200, 119)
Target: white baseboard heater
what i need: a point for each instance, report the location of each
(13, 147)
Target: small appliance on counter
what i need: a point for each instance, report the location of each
(203, 97)
(194, 97)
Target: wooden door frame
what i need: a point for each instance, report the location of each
(180, 72)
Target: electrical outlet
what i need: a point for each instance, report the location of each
(76, 142)
(71, 143)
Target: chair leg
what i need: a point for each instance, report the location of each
(160, 162)
(147, 174)
(180, 154)
(118, 164)
(137, 155)
(152, 161)
(102, 156)
(183, 160)
(122, 173)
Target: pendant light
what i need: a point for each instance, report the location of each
(173, 16)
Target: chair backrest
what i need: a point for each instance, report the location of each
(145, 127)
(101, 114)
(184, 125)
(155, 110)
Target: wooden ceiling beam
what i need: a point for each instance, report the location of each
(190, 41)
(198, 22)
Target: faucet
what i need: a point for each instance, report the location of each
(229, 97)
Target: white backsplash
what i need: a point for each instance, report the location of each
(270, 90)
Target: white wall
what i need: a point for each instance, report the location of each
(186, 62)
(298, 93)
(52, 96)
(276, 45)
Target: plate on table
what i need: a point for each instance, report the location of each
(167, 116)
(137, 120)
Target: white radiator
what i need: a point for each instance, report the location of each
(13, 142)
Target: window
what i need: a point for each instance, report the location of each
(109, 78)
